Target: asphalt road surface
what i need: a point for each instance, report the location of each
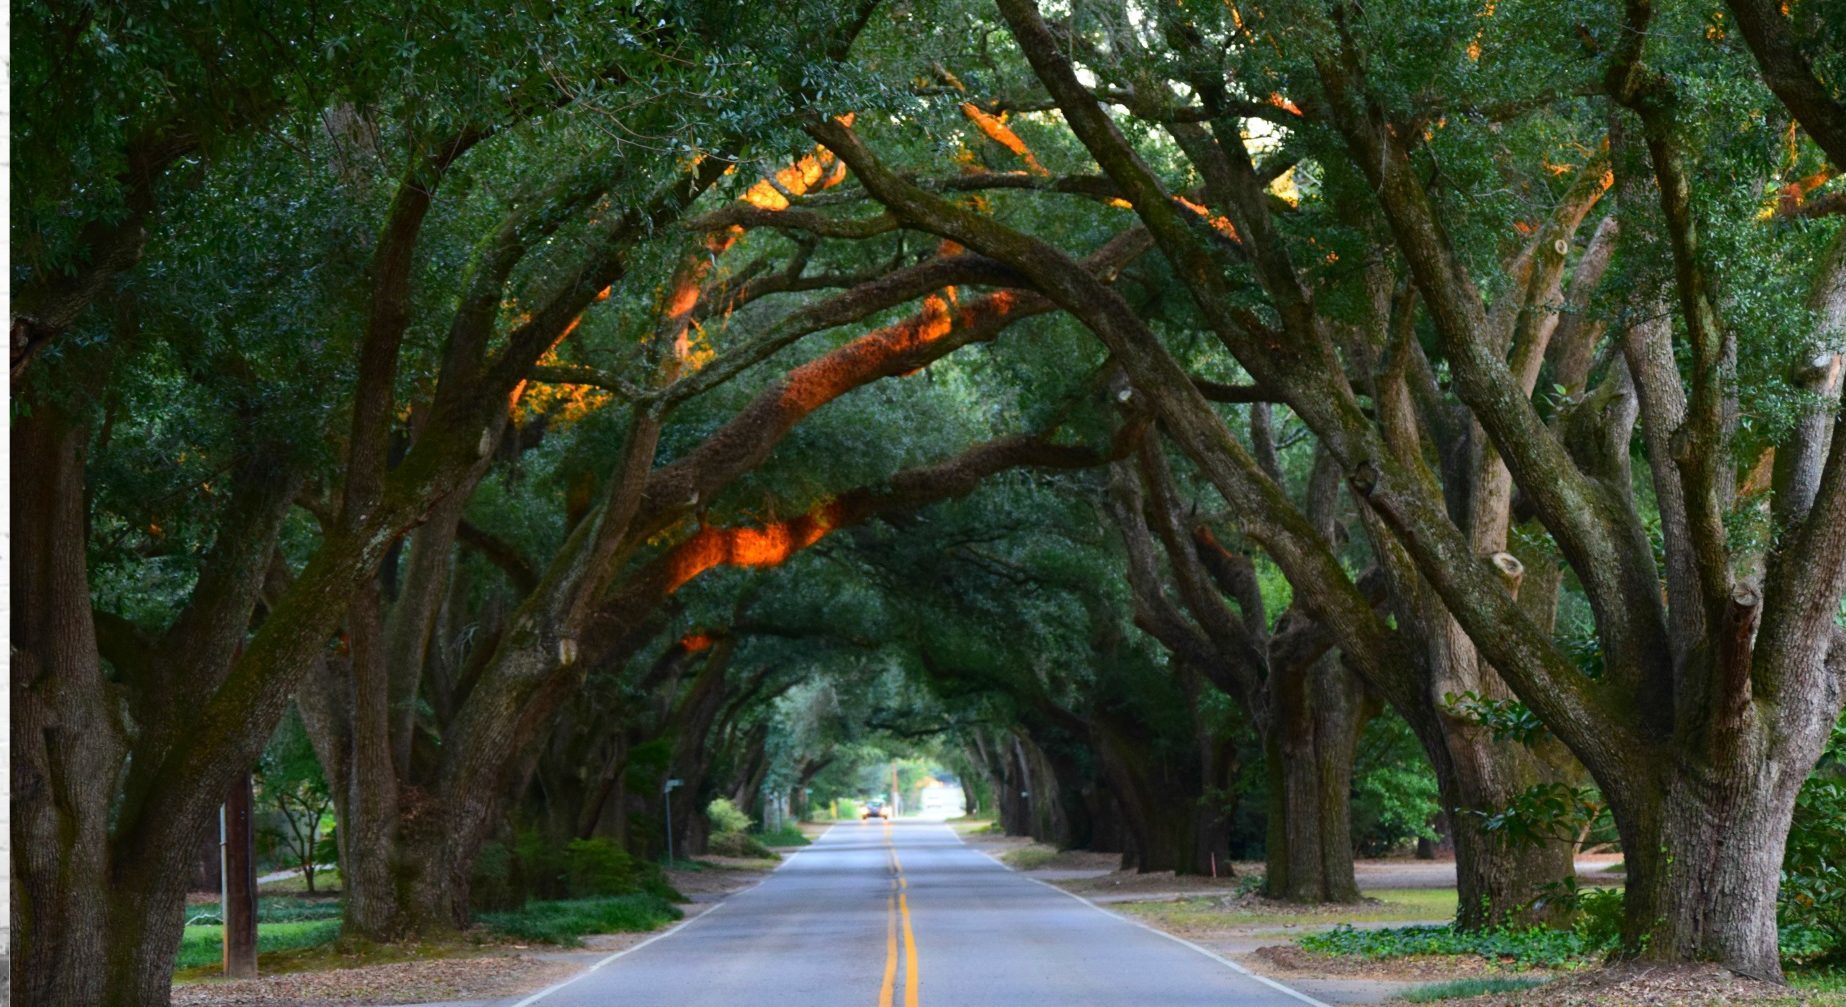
(905, 914)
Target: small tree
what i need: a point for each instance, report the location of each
(291, 783)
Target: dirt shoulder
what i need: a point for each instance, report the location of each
(472, 967)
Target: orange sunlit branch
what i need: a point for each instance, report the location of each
(998, 131)
(1791, 197)
(1276, 99)
(1220, 224)
(818, 170)
(693, 643)
(820, 381)
(770, 545)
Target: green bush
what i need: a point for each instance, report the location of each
(725, 817)
(507, 877)
(1812, 911)
(735, 844)
(599, 867)
(566, 921)
(497, 882)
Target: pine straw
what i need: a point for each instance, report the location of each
(1639, 985)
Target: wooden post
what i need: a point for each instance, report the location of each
(239, 858)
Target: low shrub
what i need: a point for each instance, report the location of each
(735, 844)
(725, 817)
(1812, 909)
(1523, 947)
(599, 867)
(567, 921)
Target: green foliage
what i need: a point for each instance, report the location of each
(787, 835)
(1516, 947)
(1812, 909)
(507, 876)
(1508, 719)
(736, 844)
(725, 817)
(567, 921)
(203, 944)
(1394, 791)
(270, 909)
(1543, 813)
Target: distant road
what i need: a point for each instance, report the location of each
(905, 915)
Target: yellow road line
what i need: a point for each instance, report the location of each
(889, 985)
(896, 906)
(910, 953)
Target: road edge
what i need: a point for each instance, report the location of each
(1131, 921)
(670, 931)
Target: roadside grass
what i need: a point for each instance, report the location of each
(787, 835)
(1029, 858)
(567, 921)
(203, 944)
(1382, 905)
(1457, 988)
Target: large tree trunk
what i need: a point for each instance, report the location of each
(1317, 715)
(1704, 866)
(67, 749)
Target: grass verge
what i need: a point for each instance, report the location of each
(203, 944)
(568, 921)
(1384, 905)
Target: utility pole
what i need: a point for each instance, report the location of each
(896, 800)
(666, 799)
(237, 872)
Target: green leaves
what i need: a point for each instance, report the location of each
(1508, 719)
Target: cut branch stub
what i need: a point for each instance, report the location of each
(1511, 571)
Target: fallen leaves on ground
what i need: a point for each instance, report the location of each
(1640, 985)
(393, 983)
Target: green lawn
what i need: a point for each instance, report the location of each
(1382, 905)
(204, 943)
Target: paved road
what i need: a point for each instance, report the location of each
(904, 915)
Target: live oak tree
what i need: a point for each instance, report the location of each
(1715, 693)
(106, 805)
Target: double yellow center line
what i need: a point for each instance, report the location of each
(897, 908)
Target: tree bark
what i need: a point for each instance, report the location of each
(1317, 715)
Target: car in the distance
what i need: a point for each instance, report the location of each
(874, 809)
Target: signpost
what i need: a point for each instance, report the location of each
(666, 798)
